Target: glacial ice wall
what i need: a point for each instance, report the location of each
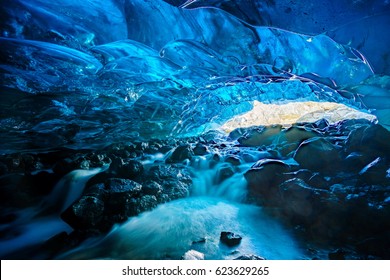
(81, 74)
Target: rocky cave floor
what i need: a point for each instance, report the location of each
(329, 183)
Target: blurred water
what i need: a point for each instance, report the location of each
(173, 228)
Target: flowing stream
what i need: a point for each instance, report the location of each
(196, 222)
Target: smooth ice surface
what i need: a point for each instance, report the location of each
(88, 74)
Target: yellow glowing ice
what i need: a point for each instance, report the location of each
(287, 114)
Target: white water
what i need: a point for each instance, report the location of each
(169, 230)
(70, 188)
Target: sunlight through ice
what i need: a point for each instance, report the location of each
(295, 112)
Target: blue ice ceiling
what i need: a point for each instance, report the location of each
(86, 73)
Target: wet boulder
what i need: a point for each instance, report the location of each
(135, 206)
(86, 213)
(3, 169)
(318, 154)
(230, 238)
(163, 172)
(180, 154)
(376, 245)
(119, 191)
(130, 169)
(338, 254)
(370, 140)
(64, 166)
(291, 138)
(233, 159)
(151, 188)
(224, 172)
(200, 149)
(263, 180)
(174, 181)
(173, 189)
(301, 203)
(375, 173)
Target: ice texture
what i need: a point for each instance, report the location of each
(85, 74)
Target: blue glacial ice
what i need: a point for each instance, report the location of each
(88, 84)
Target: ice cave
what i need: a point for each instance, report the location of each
(198, 129)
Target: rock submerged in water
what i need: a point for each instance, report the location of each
(193, 255)
(230, 239)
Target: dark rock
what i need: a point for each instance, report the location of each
(321, 124)
(200, 149)
(6, 218)
(375, 173)
(318, 154)
(82, 163)
(293, 137)
(313, 179)
(249, 258)
(224, 173)
(130, 170)
(165, 149)
(175, 189)
(301, 202)
(31, 163)
(98, 190)
(230, 238)
(120, 190)
(180, 154)
(64, 166)
(98, 159)
(215, 160)
(55, 244)
(16, 191)
(122, 195)
(100, 178)
(355, 161)
(234, 160)
(85, 213)
(43, 182)
(151, 188)
(162, 172)
(3, 169)
(263, 179)
(371, 140)
(339, 254)
(262, 135)
(146, 203)
(136, 206)
(377, 245)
